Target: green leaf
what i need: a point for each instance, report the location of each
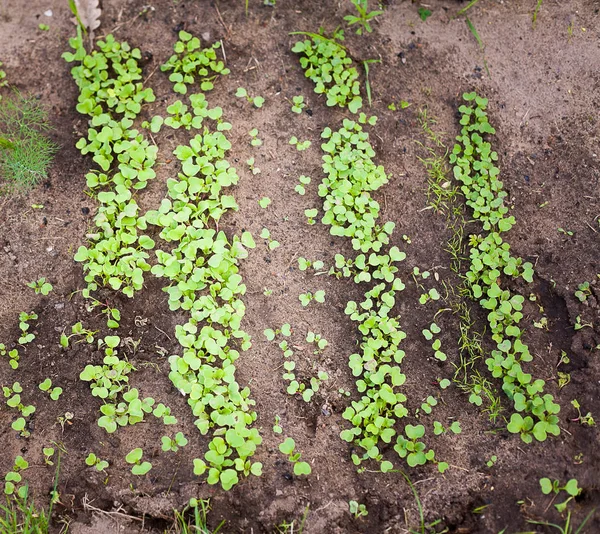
(302, 468)
(288, 446)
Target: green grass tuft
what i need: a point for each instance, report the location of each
(25, 152)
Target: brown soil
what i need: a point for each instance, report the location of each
(544, 92)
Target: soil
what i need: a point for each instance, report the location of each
(543, 86)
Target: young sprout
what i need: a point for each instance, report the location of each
(264, 202)
(300, 145)
(298, 104)
(258, 101)
(254, 139)
(93, 461)
(357, 510)
(40, 286)
(288, 447)
(135, 457)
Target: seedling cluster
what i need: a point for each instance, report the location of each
(13, 396)
(111, 93)
(490, 258)
(202, 259)
(327, 64)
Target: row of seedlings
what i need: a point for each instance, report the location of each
(491, 261)
(352, 212)
(203, 274)
(111, 94)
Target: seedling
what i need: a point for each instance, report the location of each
(300, 145)
(318, 340)
(277, 429)
(300, 189)
(13, 478)
(264, 202)
(40, 286)
(358, 510)
(54, 393)
(135, 458)
(65, 419)
(363, 17)
(308, 297)
(432, 294)
(439, 428)
(428, 404)
(310, 215)
(568, 233)
(48, 453)
(304, 264)
(285, 330)
(254, 139)
(78, 330)
(173, 444)
(24, 318)
(492, 461)
(411, 448)
(553, 486)
(265, 234)
(288, 447)
(585, 420)
(583, 291)
(250, 163)
(258, 101)
(298, 104)
(579, 324)
(13, 356)
(93, 461)
(424, 13)
(163, 412)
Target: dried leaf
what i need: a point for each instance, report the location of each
(89, 13)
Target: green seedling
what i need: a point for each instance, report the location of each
(308, 297)
(300, 145)
(93, 461)
(358, 510)
(13, 356)
(438, 428)
(553, 486)
(310, 214)
(40, 286)
(411, 448)
(78, 330)
(267, 292)
(585, 420)
(264, 202)
(432, 294)
(135, 458)
(254, 139)
(277, 429)
(285, 330)
(26, 336)
(363, 17)
(492, 461)
(250, 163)
(326, 62)
(258, 101)
(300, 189)
(298, 104)
(318, 340)
(54, 393)
(13, 479)
(48, 453)
(403, 105)
(65, 419)
(43, 27)
(568, 233)
(444, 383)
(288, 447)
(266, 235)
(583, 291)
(304, 264)
(173, 444)
(163, 412)
(579, 324)
(428, 404)
(424, 13)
